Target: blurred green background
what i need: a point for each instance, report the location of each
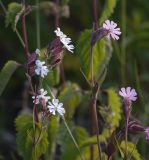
(137, 59)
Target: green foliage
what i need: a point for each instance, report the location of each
(132, 151)
(108, 10)
(68, 149)
(13, 14)
(25, 138)
(6, 74)
(101, 55)
(70, 96)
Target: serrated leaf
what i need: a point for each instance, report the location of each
(108, 10)
(101, 54)
(25, 137)
(6, 74)
(13, 14)
(132, 150)
(70, 96)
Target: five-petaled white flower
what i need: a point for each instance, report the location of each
(41, 69)
(113, 32)
(64, 39)
(55, 106)
(128, 94)
(42, 95)
(37, 51)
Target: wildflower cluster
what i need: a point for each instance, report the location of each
(54, 106)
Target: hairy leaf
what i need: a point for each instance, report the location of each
(70, 96)
(6, 74)
(108, 10)
(132, 151)
(101, 55)
(25, 137)
(13, 14)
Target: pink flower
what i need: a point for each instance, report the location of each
(128, 94)
(113, 31)
(147, 133)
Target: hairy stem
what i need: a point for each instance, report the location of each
(126, 135)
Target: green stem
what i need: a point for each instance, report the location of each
(123, 47)
(16, 31)
(74, 141)
(38, 24)
(20, 38)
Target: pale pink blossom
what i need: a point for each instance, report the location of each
(113, 32)
(128, 94)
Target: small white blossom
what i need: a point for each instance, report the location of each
(37, 51)
(55, 106)
(41, 69)
(128, 93)
(42, 95)
(64, 39)
(113, 31)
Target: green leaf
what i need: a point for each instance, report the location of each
(71, 97)
(132, 150)
(25, 137)
(13, 14)
(108, 10)
(101, 55)
(6, 74)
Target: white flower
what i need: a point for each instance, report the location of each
(55, 106)
(128, 94)
(42, 95)
(37, 51)
(113, 31)
(41, 69)
(64, 39)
